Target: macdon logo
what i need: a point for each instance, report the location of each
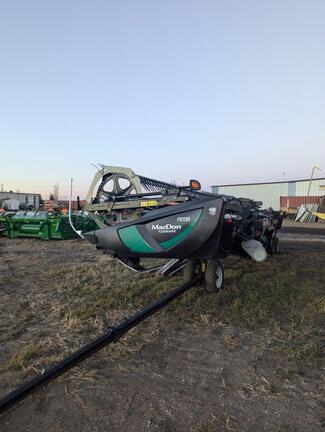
(166, 227)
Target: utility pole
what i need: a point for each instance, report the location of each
(56, 191)
(311, 177)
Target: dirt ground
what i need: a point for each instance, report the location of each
(310, 228)
(248, 359)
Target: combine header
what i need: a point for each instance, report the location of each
(139, 217)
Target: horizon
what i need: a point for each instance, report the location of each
(65, 197)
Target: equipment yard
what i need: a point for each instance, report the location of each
(249, 358)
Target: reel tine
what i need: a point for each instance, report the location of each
(153, 185)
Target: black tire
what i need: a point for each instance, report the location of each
(192, 268)
(214, 276)
(275, 245)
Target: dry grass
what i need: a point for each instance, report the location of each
(20, 359)
(276, 298)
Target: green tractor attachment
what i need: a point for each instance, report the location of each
(44, 225)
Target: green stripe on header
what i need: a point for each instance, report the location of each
(132, 239)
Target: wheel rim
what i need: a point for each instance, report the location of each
(219, 277)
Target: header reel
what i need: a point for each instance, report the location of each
(118, 194)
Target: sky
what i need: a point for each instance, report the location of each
(225, 91)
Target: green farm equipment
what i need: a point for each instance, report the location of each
(4, 224)
(44, 225)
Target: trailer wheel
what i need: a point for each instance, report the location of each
(275, 245)
(214, 276)
(192, 268)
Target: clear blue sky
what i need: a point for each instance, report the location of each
(224, 91)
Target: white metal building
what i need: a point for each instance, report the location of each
(28, 199)
(271, 192)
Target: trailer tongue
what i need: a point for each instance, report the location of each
(113, 335)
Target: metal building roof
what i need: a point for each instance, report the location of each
(266, 183)
(19, 193)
